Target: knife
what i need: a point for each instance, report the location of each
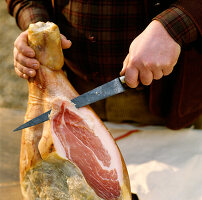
(108, 89)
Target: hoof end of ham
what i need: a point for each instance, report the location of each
(44, 38)
(73, 155)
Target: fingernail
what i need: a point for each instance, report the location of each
(35, 65)
(31, 73)
(24, 76)
(69, 41)
(31, 53)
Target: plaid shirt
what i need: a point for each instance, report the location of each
(100, 31)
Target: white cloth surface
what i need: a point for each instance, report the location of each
(162, 164)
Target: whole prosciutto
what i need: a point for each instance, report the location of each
(71, 156)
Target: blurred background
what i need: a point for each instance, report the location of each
(13, 89)
(13, 102)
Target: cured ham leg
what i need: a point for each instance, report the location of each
(71, 156)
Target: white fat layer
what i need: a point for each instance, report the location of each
(57, 144)
(68, 147)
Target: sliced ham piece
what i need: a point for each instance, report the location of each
(73, 155)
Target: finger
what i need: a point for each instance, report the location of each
(25, 70)
(21, 43)
(20, 74)
(125, 63)
(26, 61)
(131, 76)
(146, 76)
(167, 70)
(157, 74)
(64, 42)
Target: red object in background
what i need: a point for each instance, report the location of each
(126, 134)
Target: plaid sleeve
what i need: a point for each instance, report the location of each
(27, 12)
(179, 25)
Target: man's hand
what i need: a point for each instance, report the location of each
(25, 62)
(152, 55)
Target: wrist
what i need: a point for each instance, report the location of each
(157, 30)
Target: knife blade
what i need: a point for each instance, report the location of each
(108, 89)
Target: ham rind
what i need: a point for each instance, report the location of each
(73, 155)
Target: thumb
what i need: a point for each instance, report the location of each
(125, 63)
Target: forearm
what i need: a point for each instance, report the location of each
(27, 12)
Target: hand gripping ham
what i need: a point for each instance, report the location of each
(71, 156)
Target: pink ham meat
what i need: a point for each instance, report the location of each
(71, 156)
(79, 141)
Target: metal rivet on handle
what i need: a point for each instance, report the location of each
(122, 79)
